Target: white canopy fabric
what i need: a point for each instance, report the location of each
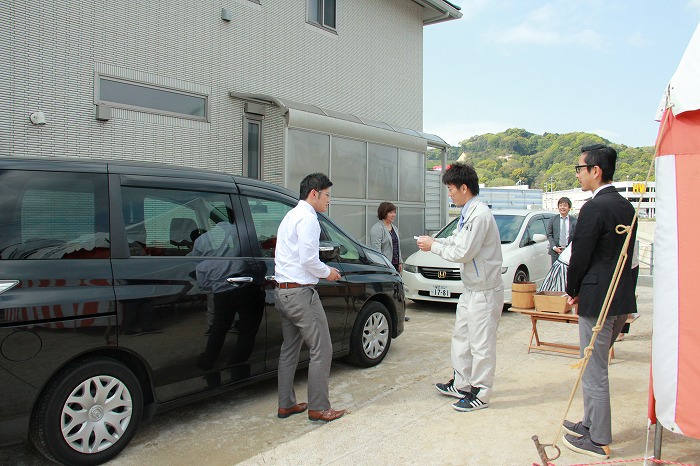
(676, 325)
(683, 91)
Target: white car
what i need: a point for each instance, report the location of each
(428, 277)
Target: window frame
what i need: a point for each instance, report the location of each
(320, 7)
(152, 110)
(249, 119)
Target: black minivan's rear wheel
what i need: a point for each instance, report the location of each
(371, 335)
(88, 413)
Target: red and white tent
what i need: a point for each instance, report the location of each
(676, 337)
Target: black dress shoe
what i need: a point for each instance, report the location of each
(286, 412)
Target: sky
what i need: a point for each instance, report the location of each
(558, 66)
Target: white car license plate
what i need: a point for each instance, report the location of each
(440, 291)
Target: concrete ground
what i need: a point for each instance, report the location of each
(410, 423)
(398, 418)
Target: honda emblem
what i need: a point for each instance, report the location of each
(442, 274)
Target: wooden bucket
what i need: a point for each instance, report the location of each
(524, 295)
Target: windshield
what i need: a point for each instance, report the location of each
(508, 227)
(447, 231)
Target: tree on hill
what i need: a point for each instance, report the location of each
(516, 155)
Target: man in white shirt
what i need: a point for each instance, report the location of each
(297, 269)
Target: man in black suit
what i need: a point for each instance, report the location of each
(595, 252)
(559, 238)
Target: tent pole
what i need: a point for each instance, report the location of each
(658, 434)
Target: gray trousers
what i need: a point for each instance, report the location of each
(595, 384)
(303, 321)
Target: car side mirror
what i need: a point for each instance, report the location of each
(539, 237)
(328, 250)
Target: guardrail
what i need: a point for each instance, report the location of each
(646, 256)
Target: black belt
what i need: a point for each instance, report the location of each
(290, 285)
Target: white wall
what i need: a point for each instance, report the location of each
(52, 51)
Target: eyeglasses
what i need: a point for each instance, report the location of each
(579, 167)
(328, 195)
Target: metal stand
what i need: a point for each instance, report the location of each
(542, 453)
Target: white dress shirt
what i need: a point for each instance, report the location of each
(296, 252)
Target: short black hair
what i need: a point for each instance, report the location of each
(317, 181)
(604, 157)
(564, 200)
(384, 209)
(461, 173)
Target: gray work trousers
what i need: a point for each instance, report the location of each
(595, 384)
(303, 321)
(474, 340)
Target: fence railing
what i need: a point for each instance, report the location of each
(646, 257)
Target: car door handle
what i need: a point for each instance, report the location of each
(269, 278)
(6, 285)
(325, 248)
(240, 280)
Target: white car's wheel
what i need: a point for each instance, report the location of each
(521, 275)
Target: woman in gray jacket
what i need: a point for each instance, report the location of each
(384, 236)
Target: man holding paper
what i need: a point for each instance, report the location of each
(476, 245)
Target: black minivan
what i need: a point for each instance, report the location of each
(128, 287)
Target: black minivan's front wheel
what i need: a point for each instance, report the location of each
(371, 335)
(88, 413)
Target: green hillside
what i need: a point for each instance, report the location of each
(515, 155)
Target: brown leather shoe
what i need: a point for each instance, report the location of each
(326, 415)
(286, 412)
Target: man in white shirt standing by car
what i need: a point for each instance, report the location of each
(476, 245)
(297, 269)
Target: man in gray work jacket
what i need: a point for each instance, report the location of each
(476, 245)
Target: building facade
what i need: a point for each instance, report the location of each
(268, 89)
(641, 195)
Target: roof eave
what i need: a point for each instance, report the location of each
(438, 11)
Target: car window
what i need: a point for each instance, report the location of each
(49, 215)
(508, 226)
(169, 222)
(536, 225)
(267, 215)
(329, 232)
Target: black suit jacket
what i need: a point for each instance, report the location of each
(594, 253)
